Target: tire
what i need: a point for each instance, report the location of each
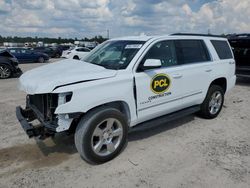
(57, 55)
(5, 71)
(76, 57)
(92, 132)
(41, 60)
(211, 109)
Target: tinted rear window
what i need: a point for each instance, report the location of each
(222, 49)
(191, 51)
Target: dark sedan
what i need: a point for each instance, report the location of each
(8, 65)
(50, 51)
(28, 56)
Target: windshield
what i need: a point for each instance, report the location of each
(114, 54)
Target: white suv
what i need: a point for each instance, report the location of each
(127, 84)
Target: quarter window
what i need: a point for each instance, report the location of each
(191, 51)
(222, 49)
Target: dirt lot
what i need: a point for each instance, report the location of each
(190, 152)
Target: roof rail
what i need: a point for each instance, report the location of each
(197, 34)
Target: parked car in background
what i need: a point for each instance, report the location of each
(46, 50)
(28, 56)
(77, 53)
(8, 65)
(50, 51)
(241, 47)
(67, 51)
(2, 48)
(64, 47)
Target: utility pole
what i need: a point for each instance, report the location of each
(208, 31)
(107, 33)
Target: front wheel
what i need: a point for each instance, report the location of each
(101, 135)
(5, 72)
(212, 105)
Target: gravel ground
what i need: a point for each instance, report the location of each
(189, 152)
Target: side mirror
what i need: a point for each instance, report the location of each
(151, 64)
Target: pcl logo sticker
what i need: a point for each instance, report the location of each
(160, 83)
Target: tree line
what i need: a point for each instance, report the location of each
(58, 40)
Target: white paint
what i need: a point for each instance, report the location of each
(189, 83)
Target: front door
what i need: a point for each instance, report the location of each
(159, 90)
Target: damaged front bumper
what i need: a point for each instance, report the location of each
(25, 116)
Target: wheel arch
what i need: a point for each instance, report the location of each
(122, 106)
(222, 82)
(76, 57)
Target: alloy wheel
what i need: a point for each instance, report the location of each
(107, 137)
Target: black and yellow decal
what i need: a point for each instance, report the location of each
(160, 83)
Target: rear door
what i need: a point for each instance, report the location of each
(197, 67)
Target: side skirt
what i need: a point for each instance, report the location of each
(164, 119)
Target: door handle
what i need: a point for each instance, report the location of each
(177, 76)
(231, 62)
(208, 70)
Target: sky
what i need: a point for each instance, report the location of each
(87, 18)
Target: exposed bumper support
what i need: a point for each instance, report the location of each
(23, 117)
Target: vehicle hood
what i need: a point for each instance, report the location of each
(46, 78)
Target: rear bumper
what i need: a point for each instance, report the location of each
(231, 83)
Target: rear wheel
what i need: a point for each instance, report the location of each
(101, 135)
(76, 57)
(213, 102)
(5, 72)
(41, 60)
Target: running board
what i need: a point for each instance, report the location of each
(164, 119)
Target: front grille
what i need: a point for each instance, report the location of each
(44, 105)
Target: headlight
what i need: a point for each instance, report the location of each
(64, 98)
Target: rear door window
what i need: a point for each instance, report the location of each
(222, 48)
(191, 51)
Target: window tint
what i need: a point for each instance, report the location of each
(82, 50)
(164, 51)
(222, 49)
(191, 51)
(23, 51)
(13, 51)
(114, 54)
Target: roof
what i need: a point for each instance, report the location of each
(176, 35)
